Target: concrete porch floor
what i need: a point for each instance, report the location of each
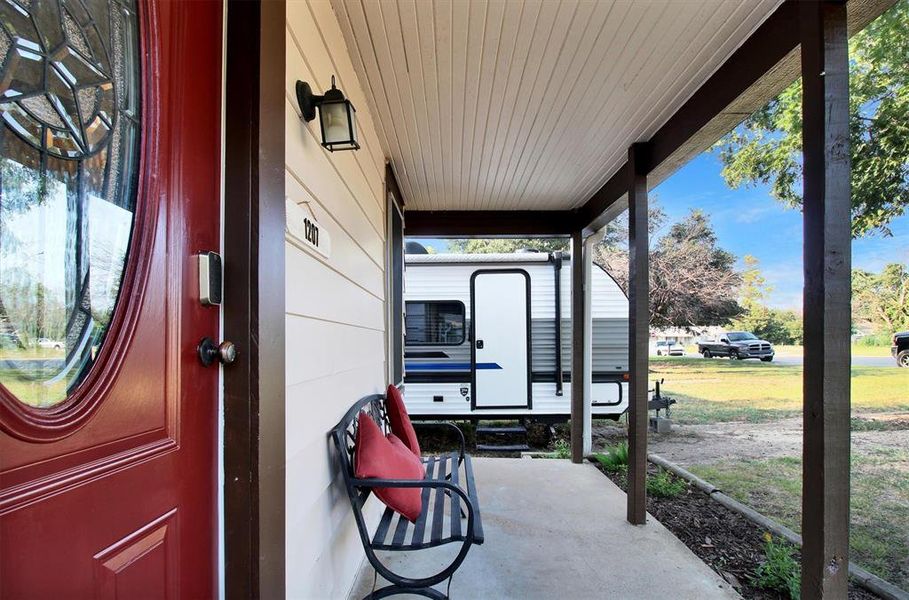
(558, 530)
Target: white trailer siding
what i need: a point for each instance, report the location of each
(438, 378)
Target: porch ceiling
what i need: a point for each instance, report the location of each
(529, 105)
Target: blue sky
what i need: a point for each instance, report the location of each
(750, 221)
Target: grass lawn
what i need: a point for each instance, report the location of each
(722, 390)
(33, 393)
(879, 534)
(713, 391)
(29, 353)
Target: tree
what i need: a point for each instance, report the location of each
(882, 298)
(766, 148)
(508, 245)
(754, 286)
(693, 282)
(775, 326)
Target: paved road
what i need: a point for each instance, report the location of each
(857, 361)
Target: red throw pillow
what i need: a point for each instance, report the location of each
(388, 458)
(400, 421)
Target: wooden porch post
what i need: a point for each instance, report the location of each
(577, 347)
(638, 332)
(827, 219)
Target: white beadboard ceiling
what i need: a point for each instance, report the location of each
(529, 105)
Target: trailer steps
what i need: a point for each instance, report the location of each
(509, 448)
(501, 430)
(498, 437)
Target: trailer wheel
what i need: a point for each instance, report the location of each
(902, 359)
(707, 354)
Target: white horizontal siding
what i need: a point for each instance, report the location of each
(335, 322)
(428, 281)
(419, 399)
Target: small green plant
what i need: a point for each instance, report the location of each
(562, 449)
(615, 459)
(779, 570)
(665, 485)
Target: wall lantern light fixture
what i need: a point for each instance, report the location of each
(337, 116)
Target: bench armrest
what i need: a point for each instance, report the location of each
(422, 483)
(426, 425)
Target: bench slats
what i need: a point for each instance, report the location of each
(472, 494)
(382, 530)
(433, 513)
(455, 502)
(438, 512)
(420, 525)
(400, 531)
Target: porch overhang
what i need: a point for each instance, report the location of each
(758, 70)
(454, 189)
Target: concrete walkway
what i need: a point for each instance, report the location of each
(556, 530)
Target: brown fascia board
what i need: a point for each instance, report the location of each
(489, 223)
(762, 67)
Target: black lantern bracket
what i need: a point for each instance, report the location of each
(309, 101)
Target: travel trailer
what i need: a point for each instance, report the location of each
(481, 331)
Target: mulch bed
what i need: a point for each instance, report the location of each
(731, 544)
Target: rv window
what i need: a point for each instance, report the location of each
(434, 323)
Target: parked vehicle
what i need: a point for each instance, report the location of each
(668, 348)
(489, 336)
(49, 343)
(738, 345)
(900, 348)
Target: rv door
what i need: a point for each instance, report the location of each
(500, 320)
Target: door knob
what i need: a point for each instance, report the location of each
(209, 352)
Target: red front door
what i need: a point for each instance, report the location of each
(110, 153)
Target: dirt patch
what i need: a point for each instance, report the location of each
(732, 545)
(719, 442)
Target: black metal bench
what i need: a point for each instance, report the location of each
(449, 498)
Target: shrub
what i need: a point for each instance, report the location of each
(876, 340)
(562, 449)
(779, 570)
(615, 459)
(665, 485)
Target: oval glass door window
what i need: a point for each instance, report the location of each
(69, 161)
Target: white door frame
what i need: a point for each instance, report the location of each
(473, 341)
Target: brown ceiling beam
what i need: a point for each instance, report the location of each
(768, 45)
(489, 223)
(756, 72)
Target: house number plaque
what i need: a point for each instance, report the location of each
(305, 231)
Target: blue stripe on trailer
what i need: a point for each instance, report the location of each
(449, 366)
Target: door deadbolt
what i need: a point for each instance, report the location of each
(209, 352)
(479, 344)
